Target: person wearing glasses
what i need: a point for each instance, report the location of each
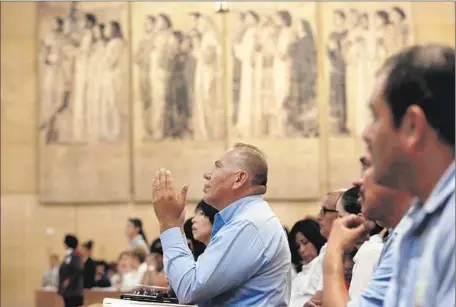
(327, 215)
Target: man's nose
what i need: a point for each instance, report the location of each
(207, 175)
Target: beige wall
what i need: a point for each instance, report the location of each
(25, 244)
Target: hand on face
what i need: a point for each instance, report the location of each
(346, 232)
(169, 206)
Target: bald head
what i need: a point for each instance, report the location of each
(330, 200)
(252, 159)
(328, 213)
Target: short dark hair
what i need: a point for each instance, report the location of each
(207, 210)
(71, 241)
(255, 162)
(102, 263)
(424, 76)
(156, 247)
(350, 201)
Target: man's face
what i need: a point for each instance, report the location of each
(328, 213)
(374, 198)
(383, 141)
(222, 180)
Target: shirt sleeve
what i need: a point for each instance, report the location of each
(219, 268)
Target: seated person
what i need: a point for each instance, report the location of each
(195, 246)
(138, 267)
(111, 270)
(89, 264)
(369, 248)
(308, 242)
(101, 278)
(123, 267)
(155, 274)
(50, 278)
(202, 222)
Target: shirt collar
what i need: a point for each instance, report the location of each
(443, 188)
(229, 212)
(226, 215)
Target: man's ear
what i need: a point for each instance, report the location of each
(241, 178)
(413, 127)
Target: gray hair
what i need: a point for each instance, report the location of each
(254, 161)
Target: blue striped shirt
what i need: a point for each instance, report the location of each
(424, 269)
(247, 262)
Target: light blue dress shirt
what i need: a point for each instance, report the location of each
(374, 294)
(247, 262)
(424, 271)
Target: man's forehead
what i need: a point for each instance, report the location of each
(330, 200)
(228, 157)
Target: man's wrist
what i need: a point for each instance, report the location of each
(334, 255)
(164, 226)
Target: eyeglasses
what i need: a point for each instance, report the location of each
(324, 210)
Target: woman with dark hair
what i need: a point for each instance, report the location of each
(369, 249)
(71, 280)
(89, 265)
(306, 242)
(196, 247)
(203, 221)
(136, 235)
